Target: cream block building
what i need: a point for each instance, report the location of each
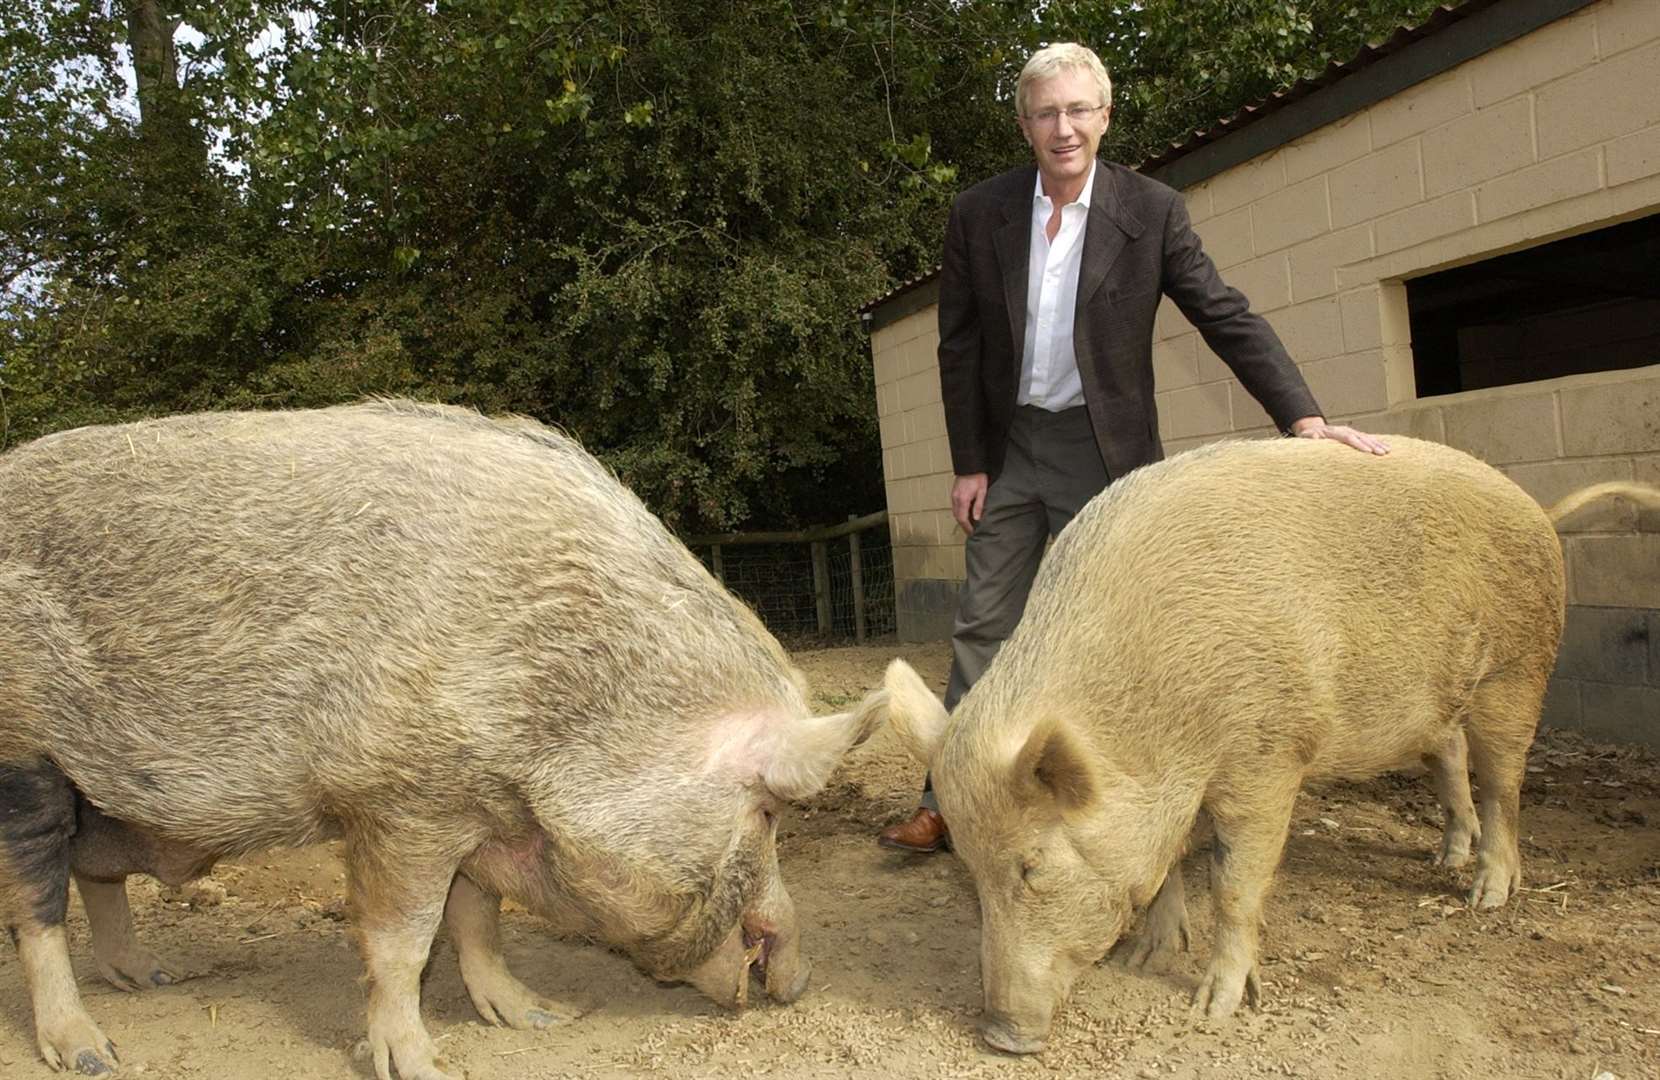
(1338, 209)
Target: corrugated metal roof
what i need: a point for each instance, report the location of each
(1438, 21)
(902, 288)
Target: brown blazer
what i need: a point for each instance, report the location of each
(1138, 245)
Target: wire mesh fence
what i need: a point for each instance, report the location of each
(798, 595)
(876, 580)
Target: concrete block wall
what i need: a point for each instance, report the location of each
(1552, 134)
(1555, 133)
(1553, 438)
(916, 472)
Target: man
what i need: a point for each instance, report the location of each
(1050, 280)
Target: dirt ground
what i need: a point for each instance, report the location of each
(1373, 966)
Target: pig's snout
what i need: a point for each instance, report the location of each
(1003, 1034)
(778, 963)
(753, 950)
(1020, 1003)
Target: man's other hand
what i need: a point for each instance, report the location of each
(1315, 427)
(968, 499)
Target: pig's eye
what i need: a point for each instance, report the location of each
(1031, 872)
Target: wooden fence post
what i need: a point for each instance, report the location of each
(858, 576)
(821, 584)
(819, 539)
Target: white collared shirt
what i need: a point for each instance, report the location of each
(1049, 365)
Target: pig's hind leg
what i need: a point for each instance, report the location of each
(37, 826)
(1449, 768)
(104, 853)
(121, 957)
(1504, 711)
(472, 916)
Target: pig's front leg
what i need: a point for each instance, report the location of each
(473, 918)
(37, 829)
(1250, 834)
(68, 1038)
(397, 902)
(1163, 931)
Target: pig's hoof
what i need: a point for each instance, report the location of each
(1453, 858)
(140, 971)
(536, 1014)
(1219, 995)
(79, 1046)
(411, 1052)
(1152, 948)
(1455, 848)
(1000, 1037)
(506, 1002)
(438, 1070)
(546, 1015)
(433, 1068)
(1493, 887)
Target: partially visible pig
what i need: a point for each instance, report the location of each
(458, 644)
(1206, 635)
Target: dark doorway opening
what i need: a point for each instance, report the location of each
(1586, 303)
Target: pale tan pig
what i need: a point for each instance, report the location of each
(1205, 636)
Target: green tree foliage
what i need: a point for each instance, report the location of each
(647, 221)
(650, 223)
(136, 281)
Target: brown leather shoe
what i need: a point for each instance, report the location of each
(924, 833)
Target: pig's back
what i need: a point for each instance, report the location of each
(261, 536)
(272, 607)
(1295, 589)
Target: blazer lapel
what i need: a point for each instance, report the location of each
(1013, 244)
(1110, 228)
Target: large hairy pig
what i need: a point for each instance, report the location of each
(459, 645)
(1205, 636)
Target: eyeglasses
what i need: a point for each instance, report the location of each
(1075, 113)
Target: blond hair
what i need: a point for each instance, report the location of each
(1051, 60)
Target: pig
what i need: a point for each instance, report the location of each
(1209, 633)
(457, 644)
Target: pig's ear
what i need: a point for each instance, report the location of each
(797, 758)
(918, 717)
(1054, 764)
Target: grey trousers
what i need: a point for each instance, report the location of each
(1051, 469)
